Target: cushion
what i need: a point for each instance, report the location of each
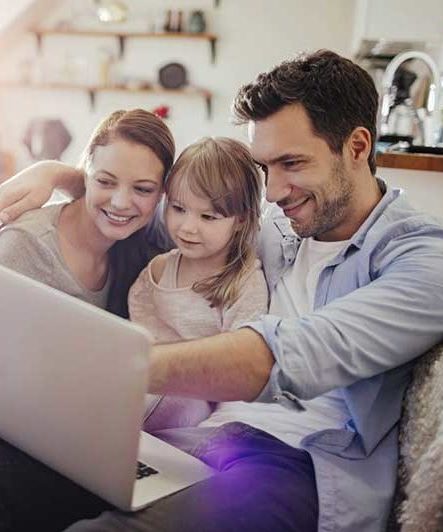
(418, 504)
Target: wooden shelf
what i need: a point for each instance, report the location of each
(92, 90)
(411, 161)
(123, 35)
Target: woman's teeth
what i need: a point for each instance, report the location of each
(116, 218)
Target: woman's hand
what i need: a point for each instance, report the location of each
(33, 186)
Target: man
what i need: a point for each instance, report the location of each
(356, 278)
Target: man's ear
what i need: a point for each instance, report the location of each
(359, 146)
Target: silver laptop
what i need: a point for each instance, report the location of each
(72, 386)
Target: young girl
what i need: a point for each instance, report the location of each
(213, 281)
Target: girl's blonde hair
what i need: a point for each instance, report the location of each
(222, 170)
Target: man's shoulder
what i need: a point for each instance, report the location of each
(400, 219)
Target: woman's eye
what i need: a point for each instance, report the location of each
(103, 181)
(144, 190)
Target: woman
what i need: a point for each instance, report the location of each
(94, 247)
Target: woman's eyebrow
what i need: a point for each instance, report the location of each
(103, 171)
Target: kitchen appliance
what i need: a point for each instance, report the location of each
(427, 115)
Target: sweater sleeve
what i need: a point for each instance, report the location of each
(252, 302)
(24, 253)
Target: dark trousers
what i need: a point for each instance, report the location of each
(262, 484)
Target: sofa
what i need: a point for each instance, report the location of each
(418, 502)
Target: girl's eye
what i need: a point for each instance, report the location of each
(209, 217)
(177, 208)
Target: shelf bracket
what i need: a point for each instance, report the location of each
(38, 40)
(91, 94)
(121, 45)
(208, 100)
(213, 43)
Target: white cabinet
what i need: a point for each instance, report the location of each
(405, 20)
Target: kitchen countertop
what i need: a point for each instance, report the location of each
(411, 161)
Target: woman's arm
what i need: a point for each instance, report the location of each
(33, 186)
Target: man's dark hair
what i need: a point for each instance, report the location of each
(337, 95)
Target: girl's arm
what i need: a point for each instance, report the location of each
(33, 186)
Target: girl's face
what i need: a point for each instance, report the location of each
(123, 188)
(198, 231)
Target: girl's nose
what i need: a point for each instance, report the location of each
(189, 224)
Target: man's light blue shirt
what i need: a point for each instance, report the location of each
(378, 305)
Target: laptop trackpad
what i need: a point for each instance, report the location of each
(175, 470)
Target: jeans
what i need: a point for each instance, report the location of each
(261, 484)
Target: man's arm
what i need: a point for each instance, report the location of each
(369, 331)
(33, 186)
(226, 367)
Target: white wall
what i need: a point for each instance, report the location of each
(253, 36)
(400, 20)
(424, 189)
(405, 19)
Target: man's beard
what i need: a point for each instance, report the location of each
(330, 213)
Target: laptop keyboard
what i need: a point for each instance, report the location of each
(144, 470)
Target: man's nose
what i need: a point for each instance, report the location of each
(276, 187)
(121, 199)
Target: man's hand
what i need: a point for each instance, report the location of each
(33, 186)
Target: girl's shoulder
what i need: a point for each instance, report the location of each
(158, 264)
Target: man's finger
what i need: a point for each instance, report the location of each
(9, 196)
(9, 214)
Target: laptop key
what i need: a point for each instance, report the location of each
(144, 470)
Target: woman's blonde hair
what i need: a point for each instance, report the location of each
(128, 257)
(222, 170)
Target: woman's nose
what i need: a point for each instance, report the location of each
(120, 199)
